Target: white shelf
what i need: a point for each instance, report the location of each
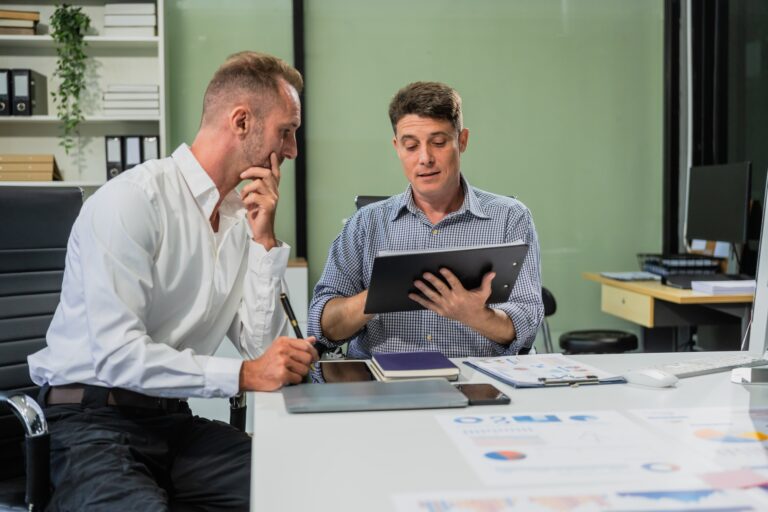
(111, 60)
(82, 184)
(46, 41)
(88, 119)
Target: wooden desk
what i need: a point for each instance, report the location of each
(665, 312)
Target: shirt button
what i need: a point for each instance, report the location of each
(429, 337)
(434, 231)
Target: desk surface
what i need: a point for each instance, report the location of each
(668, 293)
(357, 461)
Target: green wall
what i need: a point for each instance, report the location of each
(200, 34)
(563, 101)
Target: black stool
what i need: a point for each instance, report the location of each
(596, 341)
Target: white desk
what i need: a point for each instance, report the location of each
(356, 461)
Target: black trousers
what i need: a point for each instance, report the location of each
(109, 458)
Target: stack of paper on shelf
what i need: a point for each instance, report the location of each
(130, 19)
(131, 100)
(28, 168)
(21, 23)
(413, 365)
(736, 287)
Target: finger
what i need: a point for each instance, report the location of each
(426, 290)
(255, 173)
(437, 283)
(451, 279)
(305, 358)
(275, 167)
(292, 377)
(485, 285)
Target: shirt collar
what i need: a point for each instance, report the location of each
(471, 203)
(201, 185)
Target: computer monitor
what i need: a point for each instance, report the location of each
(758, 334)
(718, 203)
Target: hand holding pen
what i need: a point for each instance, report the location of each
(295, 323)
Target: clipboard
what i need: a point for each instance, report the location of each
(394, 272)
(544, 370)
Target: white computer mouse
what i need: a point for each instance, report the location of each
(652, 377)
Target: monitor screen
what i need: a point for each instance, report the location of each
(718, 202)
(758, 336)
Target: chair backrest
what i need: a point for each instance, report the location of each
(35, 223)
(361, 201)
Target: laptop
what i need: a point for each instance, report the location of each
(372, 396)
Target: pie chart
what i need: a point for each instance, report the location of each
(723, 437)
(505, 455)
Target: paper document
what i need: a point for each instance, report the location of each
(591, 499)
(737, 287)
(631, 276)
(573, 448)
(535, 371)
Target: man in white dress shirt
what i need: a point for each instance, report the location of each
(163, 262)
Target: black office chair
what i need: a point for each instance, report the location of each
(35, 227)
(550, 307)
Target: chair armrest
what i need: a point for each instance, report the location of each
(37, 444)
(237, 409)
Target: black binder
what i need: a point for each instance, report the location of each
(29, 93)
(5, 92)
(114, 156)
(150, 148)
(393, 273)
(131, 151)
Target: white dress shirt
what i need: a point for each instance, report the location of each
(150, 291)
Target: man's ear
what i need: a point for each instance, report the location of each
(240, 120)
(394, 142)
(463, 139)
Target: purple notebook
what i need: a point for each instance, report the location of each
(413, 365)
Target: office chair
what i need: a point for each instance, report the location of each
(550, 307)
(35, 227)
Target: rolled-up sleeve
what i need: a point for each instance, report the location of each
(342, 275)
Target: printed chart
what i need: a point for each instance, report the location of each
(705, 500)
(577, 448)
(731, 438)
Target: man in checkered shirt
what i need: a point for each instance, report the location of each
(439, 209)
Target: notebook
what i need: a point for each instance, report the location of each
(372, 396)
(413, 365)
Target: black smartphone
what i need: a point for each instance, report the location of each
(340, 370)
(483, 394)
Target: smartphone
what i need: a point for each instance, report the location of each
(483, 394)
(340, 370)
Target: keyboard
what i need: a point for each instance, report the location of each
(724, 363)
(684, 280)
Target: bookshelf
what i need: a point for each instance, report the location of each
(112, 60)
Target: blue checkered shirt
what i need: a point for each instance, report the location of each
(397, 224)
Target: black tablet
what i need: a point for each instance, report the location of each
(394, 273)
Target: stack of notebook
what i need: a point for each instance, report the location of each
(413, 365)
(14, 167)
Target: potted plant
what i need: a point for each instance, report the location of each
(69, 26)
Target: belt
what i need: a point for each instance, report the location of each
(74, 393)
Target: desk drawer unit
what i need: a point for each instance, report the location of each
(628, 305)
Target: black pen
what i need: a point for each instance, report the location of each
(291, 315)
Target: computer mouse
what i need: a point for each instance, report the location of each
(651, 377)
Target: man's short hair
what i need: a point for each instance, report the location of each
(250, 73)
(427, 99)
